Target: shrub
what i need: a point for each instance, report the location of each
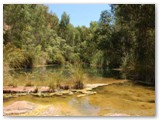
(78, 78)
(78, 85)
(29, 84)
(35, 90)
(13, 84)
(55, 80)
(16, 58)
(64, 87)
(52, 86)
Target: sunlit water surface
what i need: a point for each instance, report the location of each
(126, 98)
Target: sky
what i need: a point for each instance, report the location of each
(80, 14)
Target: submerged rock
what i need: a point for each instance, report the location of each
(81, 95)
(44, 91)
(70, 93)
(18, 107)
(87, 92)
(22, 94)
(65, 92)
(13, 95)
(8, 96)
(58, 94)
(84, 93)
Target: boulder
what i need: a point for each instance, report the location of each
(19, 107)
(44, 89)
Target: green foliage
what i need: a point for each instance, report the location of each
(13, 84)
(124, 38)
(16, 58)
(10, 80)
(138, 31)
(52, 86)
(97, 59)
(77, 77)
(64, 20)
(55, 80)
(63, 25)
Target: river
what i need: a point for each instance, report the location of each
(125, 99)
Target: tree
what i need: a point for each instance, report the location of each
(139, 23)
(122, 38)
(65, 20)
(103, 36)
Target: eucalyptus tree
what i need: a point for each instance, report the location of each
(137, 24)
(103, 36)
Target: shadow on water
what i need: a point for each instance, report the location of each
(91, 71)
(105, 73)
(40, 69)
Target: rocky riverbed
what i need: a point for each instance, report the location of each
(44, 91)
(116, 98)
(24, 108)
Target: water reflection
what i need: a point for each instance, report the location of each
(123, 98)
(119, 98)
(38, 72)
(84, 106)
(105, 73)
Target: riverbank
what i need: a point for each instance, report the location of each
(24, 108)
(45, 91)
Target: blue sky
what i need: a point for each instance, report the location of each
(80, 14)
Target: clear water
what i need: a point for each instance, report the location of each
(126, 98)
(93, 72)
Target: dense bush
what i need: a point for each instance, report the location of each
(122, 38)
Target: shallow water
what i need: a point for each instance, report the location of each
(126, 98)
(123, 98)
